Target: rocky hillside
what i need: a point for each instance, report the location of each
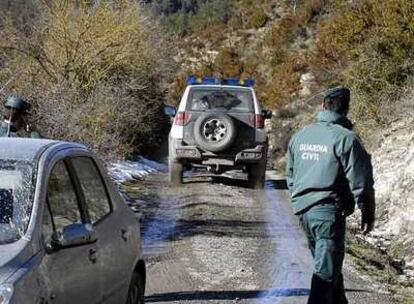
(394, 174)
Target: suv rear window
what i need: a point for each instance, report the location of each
(223, 99)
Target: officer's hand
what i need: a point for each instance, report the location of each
(367, 225)
(368, 213)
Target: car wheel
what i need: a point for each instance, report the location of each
(215, 132)
(175, 173)
(136, 291)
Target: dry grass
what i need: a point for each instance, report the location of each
(92, 71)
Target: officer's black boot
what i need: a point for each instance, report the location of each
(321, 291)
(339, 291)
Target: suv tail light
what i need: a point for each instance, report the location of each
(258, 121)
(182, 118)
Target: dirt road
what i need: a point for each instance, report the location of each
(221, 243)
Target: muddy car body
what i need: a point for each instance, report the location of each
(219, 125)
(66, 235)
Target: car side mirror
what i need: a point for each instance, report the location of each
(170, 111)
(74, 235)
(267, 114)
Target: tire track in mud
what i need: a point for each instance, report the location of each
(219, 243)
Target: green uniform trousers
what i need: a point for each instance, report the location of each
(324, 226)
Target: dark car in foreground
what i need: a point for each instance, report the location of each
(66, 235)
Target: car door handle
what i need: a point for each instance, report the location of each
(125, 234)
(93, 255)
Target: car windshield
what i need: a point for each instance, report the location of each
(238, 100)
(16, 188)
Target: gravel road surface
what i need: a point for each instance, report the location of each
(219, 242)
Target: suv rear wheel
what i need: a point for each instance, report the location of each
(257, 173)
(215, 132)
(175, 173)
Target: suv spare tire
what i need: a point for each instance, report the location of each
(215, 132)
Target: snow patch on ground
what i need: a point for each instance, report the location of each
(123, 171)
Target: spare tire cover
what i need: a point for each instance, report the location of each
(215, 132)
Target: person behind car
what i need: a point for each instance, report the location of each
(328, 172)
(6, 206)
(15, 119)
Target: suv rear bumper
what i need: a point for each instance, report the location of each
(195, 155)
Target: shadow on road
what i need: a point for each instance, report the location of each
(234, 294)
(217, 179)
(277, 184)
(247, 229)
(234, 180)
(226, 295)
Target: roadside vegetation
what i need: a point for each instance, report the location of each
(95, 72)
(364, 44)
(384, 267)
(82, 63)
(368, 45)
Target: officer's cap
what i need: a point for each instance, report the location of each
(17, 104)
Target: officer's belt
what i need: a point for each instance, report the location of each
(325, 201)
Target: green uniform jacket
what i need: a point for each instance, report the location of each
(327, 161)
(4, 129)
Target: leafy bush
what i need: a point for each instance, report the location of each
(369, 45)
(187, 16)
(228, 63)
(92, 71)
(211, 13)
(284, 83)
(286, 63)
(169, 7)
(177, 23)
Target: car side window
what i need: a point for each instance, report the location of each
(62, 200)
(94, 190)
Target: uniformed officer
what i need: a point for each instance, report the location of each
(328, 172)
(14, 118)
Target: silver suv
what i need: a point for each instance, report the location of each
(218, 125)
(66, 234)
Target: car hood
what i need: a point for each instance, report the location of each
(12, 257)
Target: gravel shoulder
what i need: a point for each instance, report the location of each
(219, 242)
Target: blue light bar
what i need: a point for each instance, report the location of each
(211, 80)
(249, 82)
(192, 80)
(231, 82)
